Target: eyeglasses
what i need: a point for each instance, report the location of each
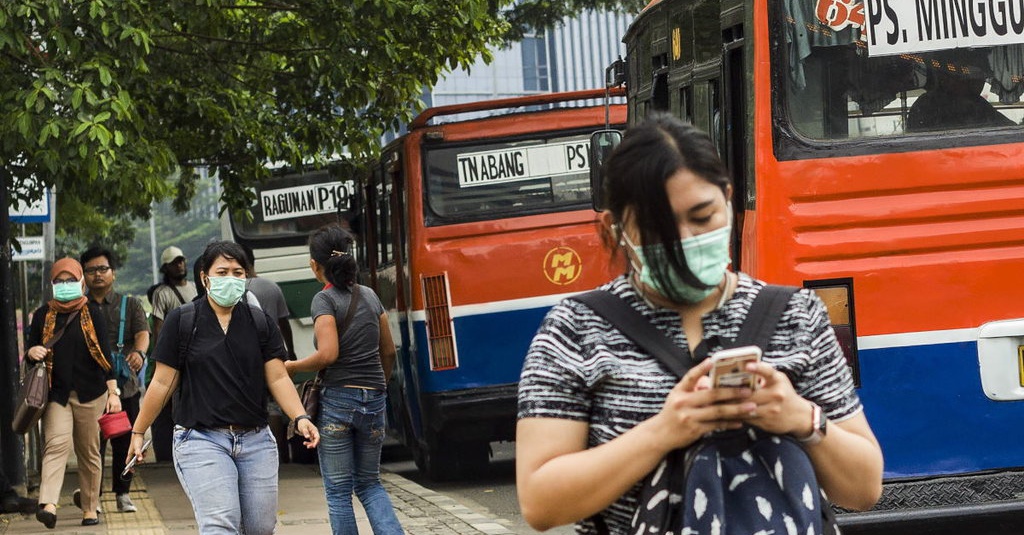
(62, 281)
(102, 270)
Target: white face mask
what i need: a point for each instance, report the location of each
(226, 291)
(707, 256)
(67, 291)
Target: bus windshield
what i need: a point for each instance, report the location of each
(929, 67)
(290, 206)
(506, 178)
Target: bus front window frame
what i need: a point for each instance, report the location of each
(514, 198)
(853, 104)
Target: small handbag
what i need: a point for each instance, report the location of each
(32, 398)
(35, 387)
(309, 391)
(114, 424)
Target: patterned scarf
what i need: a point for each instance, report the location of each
(88, 329)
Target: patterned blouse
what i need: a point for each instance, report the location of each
(580, 368)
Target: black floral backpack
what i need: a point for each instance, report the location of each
(743, 481)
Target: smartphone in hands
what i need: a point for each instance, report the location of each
(729, 367)
(131, 464)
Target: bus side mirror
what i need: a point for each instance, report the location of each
(602, 143)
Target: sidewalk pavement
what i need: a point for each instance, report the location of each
(165, 510)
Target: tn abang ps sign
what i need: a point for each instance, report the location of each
(910, 26)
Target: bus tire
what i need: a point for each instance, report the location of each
(445, 462)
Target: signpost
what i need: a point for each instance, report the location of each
(32, 248)
(36, 212)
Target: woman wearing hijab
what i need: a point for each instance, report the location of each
(82, 388)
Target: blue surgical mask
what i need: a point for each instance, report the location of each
(226, 291)
(707, 256)
(67, 291)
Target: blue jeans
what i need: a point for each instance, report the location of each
(230, 478)
(351, 424)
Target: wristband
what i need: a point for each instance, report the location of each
(819, 423)
(138, 433)
(302, 417)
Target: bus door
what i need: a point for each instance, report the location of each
(737, 121)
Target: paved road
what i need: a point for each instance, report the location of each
(492, 492)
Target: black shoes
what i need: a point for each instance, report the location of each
(90, 521)
(47, 518)
(12, 503)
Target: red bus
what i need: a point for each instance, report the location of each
(470, 230)
(877, 150)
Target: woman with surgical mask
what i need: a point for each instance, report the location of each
(82, 388)
(222, 356)
(597, 413)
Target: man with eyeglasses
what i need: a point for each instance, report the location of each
(129, 338)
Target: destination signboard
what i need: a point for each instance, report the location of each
(905, 27)
(523, 163)
(307, 200)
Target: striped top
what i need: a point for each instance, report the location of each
(580, 368)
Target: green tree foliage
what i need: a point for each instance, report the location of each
(528, 14)
(107, 98)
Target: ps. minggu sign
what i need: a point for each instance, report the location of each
(911, 26)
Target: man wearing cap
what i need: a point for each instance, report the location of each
(175, 290)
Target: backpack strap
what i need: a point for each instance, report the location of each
(764, 315)
(187, 326)
(638, 329)
(260, 319)
(120, 329)
(765, 312)
(176, 292)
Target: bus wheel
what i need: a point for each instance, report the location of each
(445, 462)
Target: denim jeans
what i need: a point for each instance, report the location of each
(230, 478)
(351, 424)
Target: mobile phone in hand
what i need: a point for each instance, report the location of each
(131, 464)
(729, 367)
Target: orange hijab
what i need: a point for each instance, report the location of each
(70, 265)
(54, 307)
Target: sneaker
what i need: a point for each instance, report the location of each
(124, 504)
(76, 497)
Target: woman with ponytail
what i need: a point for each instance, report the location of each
(82, 388)
(354, 346)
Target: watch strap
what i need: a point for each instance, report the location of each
(819, 422)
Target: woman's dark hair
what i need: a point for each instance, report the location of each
(226, 249)
(197, 266)
(635, 176)
(331, 247)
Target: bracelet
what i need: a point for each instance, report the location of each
(303, 417)
(138, 433)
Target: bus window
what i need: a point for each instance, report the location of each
(836, 89)
(501, 179)
(382, 198)
(686, 104)
(290, 206)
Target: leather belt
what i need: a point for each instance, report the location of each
(238, 429)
